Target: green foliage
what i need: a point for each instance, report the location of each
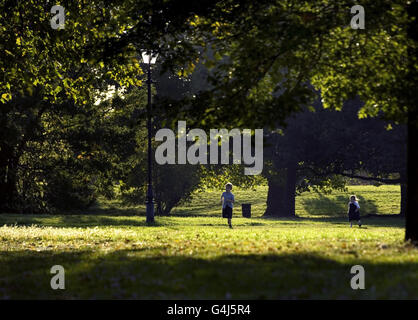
(265, 57)
(172, 183)
(66, 63)
(216, 176)
(372, 63)
(70, 190)
(48, 89)
(63, 155)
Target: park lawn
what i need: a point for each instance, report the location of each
(384, 199)
(197, 257)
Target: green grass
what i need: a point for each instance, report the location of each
(384, 199)
(119, 257)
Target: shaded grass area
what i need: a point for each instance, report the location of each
(119, 257)
(92, 221)
(127, 275)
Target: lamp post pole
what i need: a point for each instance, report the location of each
(150, 194)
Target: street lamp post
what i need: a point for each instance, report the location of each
(149, 59)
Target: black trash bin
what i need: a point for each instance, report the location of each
(246, 210)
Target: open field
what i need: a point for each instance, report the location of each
(384, 199)
(118, 256)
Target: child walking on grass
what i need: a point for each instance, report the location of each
(227, 200)
(354, 211)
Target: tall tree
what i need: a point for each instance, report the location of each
(317, 146)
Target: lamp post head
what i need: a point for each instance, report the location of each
(149, 57)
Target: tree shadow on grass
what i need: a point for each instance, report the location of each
(335, 207)
(113, 221)
(78, 221)
(114, 209)
(133, 274)
(394, 222)
(88, 221)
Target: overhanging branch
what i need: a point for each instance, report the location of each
(354, 176)
(382, 180)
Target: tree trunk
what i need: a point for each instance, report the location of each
(281, 195)
(8, 180)
(276, 206)
(291, 188)
(403, 195)
(411, 227)
(403, 199)
(159, 208)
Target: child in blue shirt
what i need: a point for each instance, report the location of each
(227, 200)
